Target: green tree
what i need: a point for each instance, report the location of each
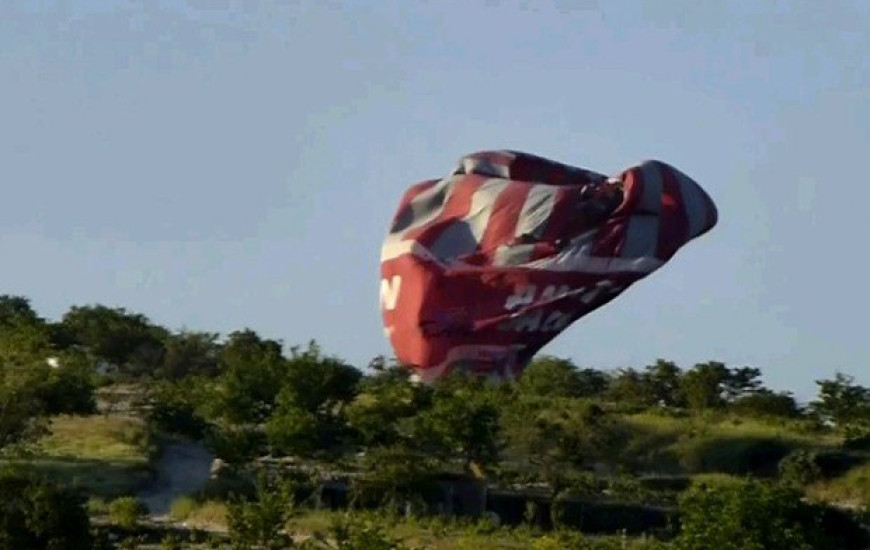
(663, 380)
(259, 522)
(318, 384)
(765, 402)
(70, 384)
(841, 401)
(463, 421)
(253, 372)
(555, 377)
(741, 382)
(703, 385)
(39, 515)
(384, 400)
(630, 388)
(754, 515)
(189, 354)
(16, 310)
(127, 340)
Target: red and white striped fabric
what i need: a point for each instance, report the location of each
(482, 268)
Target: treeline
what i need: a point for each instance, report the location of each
(248, 396)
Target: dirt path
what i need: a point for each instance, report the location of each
(182, 468)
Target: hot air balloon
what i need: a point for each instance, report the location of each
(482, 268)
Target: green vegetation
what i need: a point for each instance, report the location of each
(318, 453)
(127, 512)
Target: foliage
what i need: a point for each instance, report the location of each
(182, 508)
(752, 515)
(556, 377)
(174, 409)
(841, 401)
(189, 354)
(36, 514)
(766, 403)
(462, 421)
(259, 522)
(124, 339)
(799, 468)
(127, 511)
(392, 475)
(352, 534)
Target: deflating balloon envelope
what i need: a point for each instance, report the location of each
(482, 268)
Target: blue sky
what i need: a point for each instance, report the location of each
(226, 164)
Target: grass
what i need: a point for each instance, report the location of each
(106, 456)
(718, 443)
(850, 489)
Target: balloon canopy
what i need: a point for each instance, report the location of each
(482, 268)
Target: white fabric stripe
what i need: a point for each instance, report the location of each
(696, 211)
(651, 201)
(422, 213)
(566, 262)
(482, 203)
(641, 237)
(394, 247)
(536, 210)
(462, 236)
(596, 264)
(484, 167)
(512, 255)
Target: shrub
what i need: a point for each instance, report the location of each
(750, 515)
(259, 522)
(857, 438)
(356, 535)
(126, 512)
(182, 508)
(37, 514)
(799, 468)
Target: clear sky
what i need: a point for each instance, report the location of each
(224, 164)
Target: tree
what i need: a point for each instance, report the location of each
(16, 310)
(317, 383)
(630, 388)
(127, 340)
(384, 399)
(37, 514)
(555, 377)
(189, 354)
(664, 382)
(253, 372)
(463, 421)
(69, 386)
(841, 401)
(754, 515)
(703, 385)
(259, 522)
(765, 402)
(741, 382)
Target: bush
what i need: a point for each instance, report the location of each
(356, 535)
(805, 467)
(182, 508)
(259, 522)
(799, 468)
(767, 403)
(744, 515)
(174, 411)
(38, 515)
(857, 438)
(126, 512)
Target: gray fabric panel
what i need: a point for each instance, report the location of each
(641, 237)
(536, 210)
(651, 201)
(696, 211)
